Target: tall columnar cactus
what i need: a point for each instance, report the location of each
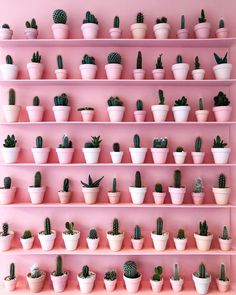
(7, 182)
(137, 233)
(159, 64)
(130, 270)
(12, 272)
(136, 141)
(114, 185)
(139, 18)
(90, 18)
(116, 147)
(203, 228)
(138, 180)
(115, 227)
(70, 228)
(179, 59)
(59, 16)
(198, 144)
(85, 271)
(37, 179)
(176, 275)
(177, 178)
(182, 22)
(159, 226)
(225, 234)
(222, 276)
(202, 18)
(47, 227)
(36, 58)
(221, 23)
(36, 101)
(66, 185)
(116, 22)
(202, 271)
(58, 271)
(200, 104)
(9, 60)
(114, 58)
(158, 188)
(222, 181)
(161, 97)
(157, 273)
(197, 64)
(5, 229)
(139, 60)
(139, 105)
(39, 142)
(59, 62)
(93, 234)
(11, 97)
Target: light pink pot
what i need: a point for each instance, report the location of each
(86, 284)
(160, 112)
(36, 194)
(198, 74)
(202, 30)
(139, 116)
(93, 243)
(223, 286)
(157, 285)
(137, 244)
(27, 244)
(65, 155)
(177, 195)
(113, 71)
(198, 157)
(10, 285)
(60, 31)
(158, 74)
(180, 244)
(159, 198)
(61, 74)
(222, 33)
(10, 155)
(90, 194)
(159, 155)
(220, 155)
(203, 242)
(91, 155)
(7, 195)
(132, 285)
(59, 282)
(9, 71)
(179, 157)
(110, 286)
(198, 198)
(202, 115)
(221, 195)
(177, 286)
(40, 155)
(223, 71)
(139, 74)
(115, 242)
(116, 157)
(35, 113)
(89, 30)
(88, 71)
(181, 113)
(64, 197)
(71, 241)
(180, 71)
(116, 113)
(114, 198)
(36, 284)
(87, 115)
(160, 241)
(11, 113)
(115, 33)
(225, 245)
(161, 30)
(138, 155)
(182, 34)
(138, 30)
(61, 113)
(47, 241)
(6, 241)
(5, 33)
(222, 113)
(35, 70)
(31, 33)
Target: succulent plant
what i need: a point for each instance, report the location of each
(10, 141)
(61, 100)
(85, 109)
(221, 23)
(222, 181)
(181, 102)
(198, 144)
(161, 142)
(36, 57)
(158, 188)
(59, 16)
(140, 18)
(114, 185)
(88, 60)
(221, 99)
(85, 272)
(12, 272)
(203, 228)
(159, 226)
(198, 185)
(9, 60)
(36, 101)
(182, 22)
(218, 142)
(159, 64)
(69, 228)
(90, 18)
(47, 226)
(11, 97)
(58, 272)
(200, 104)
(110, 275)
(225, 234)
(114, 58)
(138, 181)
(221, 60)
(130, 270)
(196, 63)
(222, 275)
(116, 147)
(114, 101)
(181, 234)
(139, 60)
(157, 273)
(5, 26)
(27, 235)
(66, 142)
(136, 141)
(92, 183)
(116, 22)
(66, 185)
(59, 62)
(137, 233)
(93, 234)
(31, 24)
(5, 228)
(177, 179)
(139, 105)
(179, 59)
(176, 275)
(7, 182)
(95, 143)
(162, 20)
(35, 272)
(115, 228)
(202, 18)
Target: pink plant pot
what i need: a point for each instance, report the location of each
(220, 155)
(89, 30)
(9, 71)
(203, 242)
(177, 195)
(182, 34)
(10, 285)
(7, 195)
(11, 113)
(202, 115)
(180, 244)
(115, 241)
(139, 74)
(138, 30)
(159, 155)
(137, 244)
(116, 157)
(181, 113)
(64, 197)
(65, 155)
(115, 33)
(198, 198)
(198, 157)
(61, 113)
(157, 285)
(223, 71)
(116, 113)
(59, 282)
(140, 116)
(113, 71)
(35, 70)
(158, 74)
(36, 194)
(60, 31)
(6, 241)
(40, 155)
(202, 30)
(161, 30)
(93, 243)
(222, 113)
(36, 284)
(5, 33)
(198, 74)
(137, 194)
(177, 286)
(221, 195)
(71, 241)
(35, 113)
(180, 71)
(110, 286)
(31, 33)
(159, 198)
(10, 155)
(91, 155)
(90, 194)
(114, 198)
(47, 241)
(88, 71)
(225, 245)
(138, 155)
(223, 286)
(160, 241)
(160, 112)
(61, 74)
(87, 115)
(86, 284)
(27, 244)
(222, 33)
(132, 285)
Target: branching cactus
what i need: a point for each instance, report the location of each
(176, 275)
(12, 272)
(140, 18)
(157, 273)
(7, 182)
(138, 180)
(66, 185)
(31, 24)
(90, 18)
(221, 100)
(198, 144)
(61, 100)
(114, 185)
(59, 16)
(110, 275)
(177, 179)
(130, 270)
(69, 228)
(36, 101)
(88, 60)
(93, 234)
(9, 60)
(47, 227)
(27, 235)
(37, 179)
(58, 271)
(10, 141)
(218, 142)
(159, 64)
(114, 101)
(115, 227)
(200, 104)
(181, 234)
(160, 142)
(137, 233)
(203, 228)
(221, 60)
(158, 188)
(182, 22)
(116, 22)
(36, 58)
(222, 181)
(139, 105)
(221, 23)
(85, 272)
(181, 102)
(114, 58)
(136, 141)
(198, 185)
(179, 59)
(66, 142)
(225, 234)
(116, 147)
(11, 97)
(202, 18)
(59, 62)
(5, 231)
(196, 63)
(35, 272)
(159, 226)
(139, 61)
(222, 275)
(39, 142)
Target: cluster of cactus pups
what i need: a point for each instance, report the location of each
(90, 18)
(31, 24)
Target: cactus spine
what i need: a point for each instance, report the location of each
(130, 270)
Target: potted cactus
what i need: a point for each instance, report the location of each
(160, 150)
(61, 109)
(116, 154)
(222, 70)
(222, 192)
(137, 192)
(60, 72)
(115, 32)
(159, 237)
(115, 109)
(6, 237)
(137, 239)
(36, 279)
(9, 70)
(35, 68)
(36, 191)
(197, 155)
(92, 239)
(160, 110)
(90, 190)
(35, 112)
(27, 240)
(180, 240)
(7, 192)
(222, 281)
(157, 280)
(87, 113)
(137, 153)
(114, 195)
(179, 155)
(181, 110)
(132, 277)
(222, 109)
(139, 72)
(113, 67)
(59, 277)
(65, 150)
(201, 280)
(176, 280)
(110, 280)
(11, 111)
(222, 31)
(10, 281)
(201, 114)
(5, 32)
(180, 69)
(86, 280)
(65, 194)
(159, 72)
(60, 29)
(202, 30)
(47, 236)
(139, 29)
(31, 29)
(90, 26)
(92, 150)
(198, 193)
(10, 151)
(140, 113)
(203, 238)
(161, 29)
(158, 194)
(198, 73)
(40, 153)
(115, 237)
(219, 151)
(70, 236)
(225, 240)
(177, 192)
(88, 68)
(182, 33)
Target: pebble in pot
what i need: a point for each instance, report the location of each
(139, 29)
(222, 281)
(182, 33)
(10, 281)
(201, 114)
(222, 31)
(31, 29)
(157, 280)
(139, 72)
(223, 69)
(158, 73)
(115, 32)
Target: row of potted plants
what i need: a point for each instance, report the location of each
(88, 68)
(90, 27)
(91, 189)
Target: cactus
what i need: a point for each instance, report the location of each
(198, 144)
(176, 275)
(90, 18)
(138, 181)
(59, 16)
(179, 59)
(181, 102)
(114, 58)
(177, 179)
(222, 181)
(9, 60)
(116, 22)
(221, 100)
(159, 226)
(157, 273)
(10, 141)
(202, 271)
(31, 24)
(88, 60)
(159, 64)
(36, 101)
(92, 183)
(61, 100)
(12, 272)
(200, 104)
(4, 232)
(27, 235)
(11, 97)
(116, 147)
(137, 233)
(221, 23)
(202, 18)
(7, 182)
(130, 270)
(196, 63)
(222, 275)
(36, 57)
(221, 60)
(5, 26)
(225, 234)
(114, 184)
(93, 234)
(158, 188)
(59, 62)
(85, 272)
(70, 228)
(162, 20)
(139, 18)
(115, 228)
(114, 101)
(35, 272)
(160, 143)
(181, 234)
(85, 109)
(110, 275)
(182, 22)
(139, 105)
(58, 271)
(39, 142)
(161, 97)
(203, 228)
(37, 179)
(47, 226)
(136, 141)
(95, 143)
(218, 142)
(66, 142)
(198, 186)
(66, 185)
(139, 60)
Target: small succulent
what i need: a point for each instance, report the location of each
(92, 183)
(221, 60)
(5, 231)
(181, 102)
(7, 182)
(115, 228)
(36, 58)
(139, 61)
(69, 228)
(176, 276)
(110, 275)
(221, 99)
(139, 105)
(225, 234)
(140, 18)
(114, 58)
(177, 179)
(198, 144)
(94, 143)
(203, 228)
(181, 234)
(201, 272)
(221, 23)
(179, 149)
(27, 235)
(218, 142)
(198, 185)
(197, 65)
(114, 101)
(36, 101)
(182, 22)
(85, 272)
(59, 62)
(5, 26)
(162, 20)
(59, 16)
(10, 141)
(159, 227)
(221, 181)
(116, 147)
(61, 100)
(222, 275)
(88, 60)
(59, 272)
(159, 64)
(31, 24)
(11, 96)
(202, 18)
(65, 143)
(157, 273)
(35, 272)
(90, 18)
(116, 22)
(85, 109)
(93, 234)
(161, 142)
(130, 270)
(158, 188)
(136, 141)
(137, 233)
(9, 60)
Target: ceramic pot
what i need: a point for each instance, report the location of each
(90, 194)
(139, 116)
(87, 115)
(202, 30)
(160, 112)
(223, 71)
(139, 74)
(160, 241)
(222, 113)
(92, 243)
(137, 244)
(116, 157)
(11, 113)
(110, 286)
(114, 198)
(138, 30)
(177, 195)
(59, 282)
(202, 284)
(116, 113)
(161, 30)
(31, 33)
(159, 198)
(180, 71)
(10, 155)
(181, 113)
(156, 285)
(36, 194)
(158, 74)
(35, 70)
(7, 195)
(36, 284)
(179, 157)
(61, 113)
(64, 197)
(113, 71)
(159, 155)
(203, 242)
(198, 198)
(10, 285)
(5, 33)
(60, 31)
(35, 113)
(6, 241)
(65, 155)
(198, 74)
(222, 33)
(89, 30)
(47, 241)
(177, 285)
(137, 194)
(61, 74)
(27, 244)
(91, 155)
(115, 33)
(40, 155)
(180, 244)
(138, 155)
(202, 115)
(115, 241)
(88, 71)
(132, 285)
(182, 34)
(220, 155)
(198, 157)
(86, 284)
(223, 286)
(9, 71)
(71, 241)
(221, 195)
(225, 245)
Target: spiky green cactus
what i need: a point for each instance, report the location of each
(35, 272)
(115, 227)
(181, 102)
(59, 16)
(202, 271)
(130, 270)
(139, 105)
(5, 26)
(158, 188)
(27, 235)
(58, 271)
(85, 271)
(162, 20)
(88, 60)
(36, 101)
(37, 179)
(5, 229)
(138, 181)
(159, 226)
(140, 18)
(139, 60)
(225, 234)
(116, 147)
(222, 276)
(157, 273)
(66, 142)
(61, 100)
(182, 22)
(66, 185)
(161, 97)
(137, 233)
(218, 142)
(202, 18)
(12, 272)
(160, 142)
(116, 22)
(10, 141)
(176, 275)
(159, 64)
(36, 57)
(114, 185)
(177, 178)
(203, 228)
(221, 23)
(114, 101)
(200, 104)
(179, 59)
(59, 62)
(114, 58)
(9, 60)
(221, 100)
(90, 18)
(198, 185)
(39, 142)
(197, 65)
(31, 24)
(7, 182)
(47, 226)
(110, 275)
(198, 144)
(11, 97)
(222, 181)
(93, 234)
(136, 141)
(69, 227)
(181, 234)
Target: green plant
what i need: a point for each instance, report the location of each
(225, 234)
(5, 228)
(69, 228)
(27, 235)
(31, 24)
(198, 185)
(221, 23)
(221, 99)
(114, 58)
(202, 18)
(157, 273)
(162, 20)
(7, 182)
(66, 142)
(176, 275)
(158, 188)
(39, 142)
(36, 101)
(137, 233)
(221, 181)
(161, 142)
(138, 181)
(200, 104)
(159, 64)
(58, 272)
(116, 147)
(181, 102)
(59, 16)
(182, 22)
(92, 183)
(220, 60)
(198, 144)
(11, 97)
(47, 226)
(115, 228)
(114, 185)
(95, 143)
(10, 141)
(93, 234)
(196, 63)
(139, 61)
(181, 234)
(37, 179)
(201, 272)
(12, 272)
(88, 60)
(140, 18)
(5, 26)
(85, 272)
(36, 57)
(59, 62)
(35, 272)
(159, 226)
(218, 142)
(66, 185)
(114, 101)
(136, 141)
(90, 18)
(130, 270)
(179, 149)
(9, 60)
(222, 275)
(161, 97)
(110, 275)
(139, 105)
(85, 109)
(179, 59)
(177, 179)
(203, 228)
(116, 22)
(61, 100)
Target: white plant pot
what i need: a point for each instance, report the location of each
(11, 113)
(222, 113)
(9, 71)
(159, 155)
(7, 195)
(65, 155)
(220, 155)
(115, 33)
(198, 74)
(47, 241)
(139, 74)
(202, 284)
(116, 113)
(202, 115)
(115, 242)
(5, 33)
(179, 157)
(31, 33)
(116, 157)
(198, 157)
(71, 241)
(27, 244)
(35, 70)
(6, 241)
(10, 155)
(160, 112)
(132, 284)
(223, 71)
(180, 71)
(158, 74)
(137, 194)
(182, 34)
(160, 241)
(177, 195)
(161, 30)
(89, 30)
(61, 74)
(138, 155)
(64, 197)
(92, 243)
(138, 30)
(86, 284)
(61, 113)
(91, 155)
(35, 113)
(181, 113)
(40, 155)
(36, 194)
(221, 195)
(177, 285)
(180, 244)
(88, 71)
